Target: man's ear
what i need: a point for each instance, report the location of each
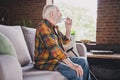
(51, 14)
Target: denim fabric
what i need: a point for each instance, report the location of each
(71, 74)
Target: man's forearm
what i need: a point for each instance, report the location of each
(68, 62)
(68, 34)
(74, 66)
(68, 24)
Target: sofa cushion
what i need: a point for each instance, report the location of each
(42, 75)
(10, 69)
(6, 47)
(29, 34)
(29, 73)
(15, 34)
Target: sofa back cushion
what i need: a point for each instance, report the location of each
(15, 35)
(6, 47)
(29, 34)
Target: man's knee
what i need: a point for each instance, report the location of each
(67, 71)
(80, 60)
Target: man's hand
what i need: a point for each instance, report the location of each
(74, 66)
(68, 23)
(78, 69)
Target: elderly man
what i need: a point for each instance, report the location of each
(49, 51)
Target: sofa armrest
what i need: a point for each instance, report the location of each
(81, 48)
(10, 68)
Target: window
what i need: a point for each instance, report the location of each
(83, 14)
(49, 2)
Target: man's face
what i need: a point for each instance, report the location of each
(57, 15)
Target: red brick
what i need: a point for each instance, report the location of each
(108, 22)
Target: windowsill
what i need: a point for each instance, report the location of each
(89, 43)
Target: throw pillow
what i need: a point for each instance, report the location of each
(6, 47)
(29, 34)
(15, 35)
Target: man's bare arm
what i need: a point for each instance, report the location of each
(68, 24)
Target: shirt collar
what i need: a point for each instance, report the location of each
(50, 25)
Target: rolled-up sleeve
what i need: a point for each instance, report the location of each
(65, 40)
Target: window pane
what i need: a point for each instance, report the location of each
(83, 14)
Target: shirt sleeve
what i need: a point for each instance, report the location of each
(37, 42)
(51, 44)
(65, 40)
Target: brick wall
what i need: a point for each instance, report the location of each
(108, 22)
(19, 10)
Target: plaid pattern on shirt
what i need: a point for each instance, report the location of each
(48, 46)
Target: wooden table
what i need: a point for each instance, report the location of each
(104, 56)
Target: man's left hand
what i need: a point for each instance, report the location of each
(68, 23)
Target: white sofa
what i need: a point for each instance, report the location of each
(16, 55)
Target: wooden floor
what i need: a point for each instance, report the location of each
(104, 67)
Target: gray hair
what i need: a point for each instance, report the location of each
(47, 9)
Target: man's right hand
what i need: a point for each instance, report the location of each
(74, 66)
(78, 69)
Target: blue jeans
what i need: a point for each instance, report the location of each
(71, 74)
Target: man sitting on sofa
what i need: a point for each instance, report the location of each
(49, 51)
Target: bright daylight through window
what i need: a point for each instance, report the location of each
(83, 14)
